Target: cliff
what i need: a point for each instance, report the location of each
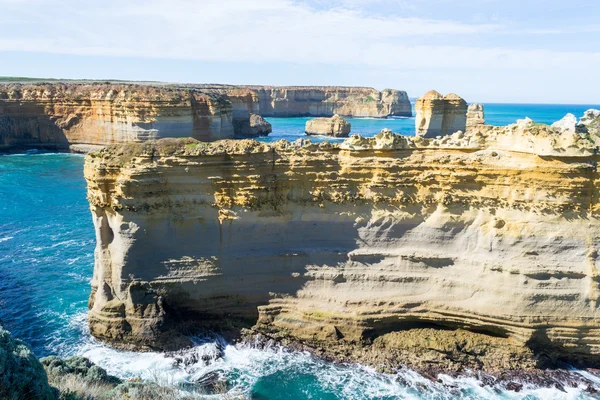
(57, 115)
(389, 241)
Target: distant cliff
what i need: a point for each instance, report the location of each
(57, 115)
(479, 248)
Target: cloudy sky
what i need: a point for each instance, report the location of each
(544, 51)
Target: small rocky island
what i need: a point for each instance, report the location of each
(335, 126)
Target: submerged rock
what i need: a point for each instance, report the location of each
(22, 376)
(335, 126)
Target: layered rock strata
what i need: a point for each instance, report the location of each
(57, 115)
(254, 126)
(475, 115)
(439, 115)
(335, 126)
(494, 232)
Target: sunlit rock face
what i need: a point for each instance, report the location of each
(439, 115)
(335, 126)
(60, 115)
(494, 231)
(475, 115)
(330, 100)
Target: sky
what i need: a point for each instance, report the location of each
(531, 51)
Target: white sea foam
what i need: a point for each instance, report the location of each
(244, 365)
(6, 239)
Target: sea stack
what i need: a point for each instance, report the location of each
(439, 115)
(254, 126)
(475, 115)
(335, 126)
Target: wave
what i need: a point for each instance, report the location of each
(6, 238)
(272, 370)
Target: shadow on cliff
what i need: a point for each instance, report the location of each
(552, 355)
(30, 127)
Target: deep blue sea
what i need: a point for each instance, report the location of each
(46, 262)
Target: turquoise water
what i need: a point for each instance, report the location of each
(495, 114)
(46, 262)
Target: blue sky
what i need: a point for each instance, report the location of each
(485, 50)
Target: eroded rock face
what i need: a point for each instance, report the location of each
(566, 124)
(335, 126)
(58, 115)
(494, 231)
(439, 115)
(475, 115)
(254, 126)
(330, 100)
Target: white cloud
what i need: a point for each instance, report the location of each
(343, 35)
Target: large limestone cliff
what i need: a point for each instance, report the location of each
(58, 115)
(494, 232)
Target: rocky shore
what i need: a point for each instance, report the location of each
(471, 250)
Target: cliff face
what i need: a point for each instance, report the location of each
(328, 101)
(59, 115)
(440, 116)
(493, 232)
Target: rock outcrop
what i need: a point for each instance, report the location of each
(254, 126)
(335, 126)
(494, 232)
(57, 115)
(327, 101)
(439, 115)
(566, 124)
(475, 115)
(590, 122)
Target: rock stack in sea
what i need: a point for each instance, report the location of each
(254, 126)
(439, 115)
(335, 126)
(475, 115)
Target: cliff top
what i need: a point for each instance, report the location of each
(4, 81)
(525, 136)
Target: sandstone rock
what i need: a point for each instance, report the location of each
(590, 122)
(335, 126)
(475, 115)
(344, 244)
(567, 124)
(254, 126)
(22, 376)
(439, 115)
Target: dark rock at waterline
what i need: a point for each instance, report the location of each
(22, 376)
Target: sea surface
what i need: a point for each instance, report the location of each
(46, 263)
(495, 114)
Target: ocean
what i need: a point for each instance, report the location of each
(46, 262)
